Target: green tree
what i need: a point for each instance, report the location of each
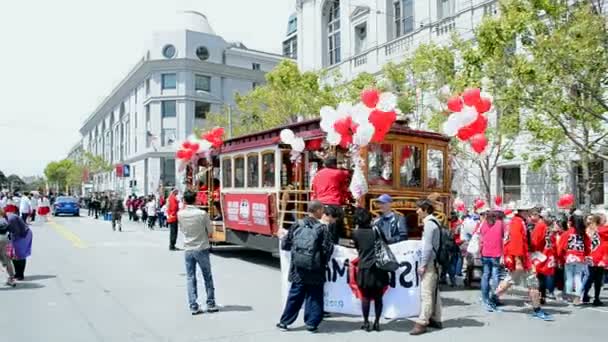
(95, 164)
(557, 73)
(3, 180)
(15, 183)
(63, 174)
(287, 95)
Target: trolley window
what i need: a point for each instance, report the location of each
(410, 166)
(239, 172)
(268, 169)
(253, 171)
(434, 168)
(227, 173)
(380, 164)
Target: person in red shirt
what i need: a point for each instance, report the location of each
(573, 247)
(598, 260)
(330, 187)
(172, 208)
(544, 249)
(520, 269)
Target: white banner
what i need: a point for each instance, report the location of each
(401, 300)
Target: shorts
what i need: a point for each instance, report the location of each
(522, 278)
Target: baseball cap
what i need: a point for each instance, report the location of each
(385, 198)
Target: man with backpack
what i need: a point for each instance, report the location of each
(433, 257)
(310, 243)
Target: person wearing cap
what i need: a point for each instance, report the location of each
(390, 223)
(330, 187)
(429, 270)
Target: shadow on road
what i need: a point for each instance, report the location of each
(23, 286)
(463, 322)
(248, 255)
(39, 277)
(236, 308)
(447, 301)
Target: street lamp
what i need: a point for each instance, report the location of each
(208, 94)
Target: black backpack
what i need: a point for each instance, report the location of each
(306, 246)
(447, 247)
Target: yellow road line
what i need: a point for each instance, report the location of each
(68, 235)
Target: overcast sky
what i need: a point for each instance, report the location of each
(60, 58)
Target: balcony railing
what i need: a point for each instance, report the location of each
(360, 60)
(399, 45)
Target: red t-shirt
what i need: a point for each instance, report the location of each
(598, 249)
(172, 209)
(330, 186)
(516, 244)
(573, 248)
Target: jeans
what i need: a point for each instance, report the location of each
(312, 298)
(491, 271)
(573, 273)
(201, 258)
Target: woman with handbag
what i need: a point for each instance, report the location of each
(21, 239)
(372, 281)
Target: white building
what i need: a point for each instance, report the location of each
(354, 36)
(185, 74)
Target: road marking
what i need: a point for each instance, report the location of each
(600, 310)
(68, 235)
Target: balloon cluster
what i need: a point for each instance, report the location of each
(565, 201)
(195, 145)
(297, 144)
(467, 120)
(367, 121)
(459, 205)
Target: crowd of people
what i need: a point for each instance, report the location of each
(149, 210)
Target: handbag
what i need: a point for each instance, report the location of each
(385, 259)
(473, 246)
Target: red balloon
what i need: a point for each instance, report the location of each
(498, 200)
(188, 154)
(382, 120)
(471, 96)
(565, 201)
(480, 125)
(379, 135)
(347, 139)
(194, 147)
(484, 105)
(343, 125)
(508, 211)
(479, 203)
(465, 133)
(314, 145)
(370, 97)
(479, 142)
(455, 104)
(186, 145)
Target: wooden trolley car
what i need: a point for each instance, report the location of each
(261, 189)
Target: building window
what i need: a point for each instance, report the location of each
(169, 136)
(434, 169)
(404, 17)
(255, 66)
(168, 169)
(169, 81)
(380, 164)
(445, 8)
(332, 16)
(200, 110)
(253, 172)
(511, 184)
(169, 51)
(135, 95)
(360, 38)
(227, 173)
(202, 53)
(147, 86)
(268, 169)
(202, 83)
(596, 174)
(290, 48)
(148, 125)
(169, 109)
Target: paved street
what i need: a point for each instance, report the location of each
(87, 283)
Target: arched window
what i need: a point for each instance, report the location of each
(331, 16)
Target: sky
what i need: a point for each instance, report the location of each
(59, 59)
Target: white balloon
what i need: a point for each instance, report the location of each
(287, 136)
(333, 138)
(364, 134)
(298, 144)
(487, 96)
(204, 146)
(451, 125)
(388, 102)
(344, 110)
(328, 118)
(467, 116)
(360, 114)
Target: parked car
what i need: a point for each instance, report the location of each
(66, 205)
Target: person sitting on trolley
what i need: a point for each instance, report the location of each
(390, 223)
